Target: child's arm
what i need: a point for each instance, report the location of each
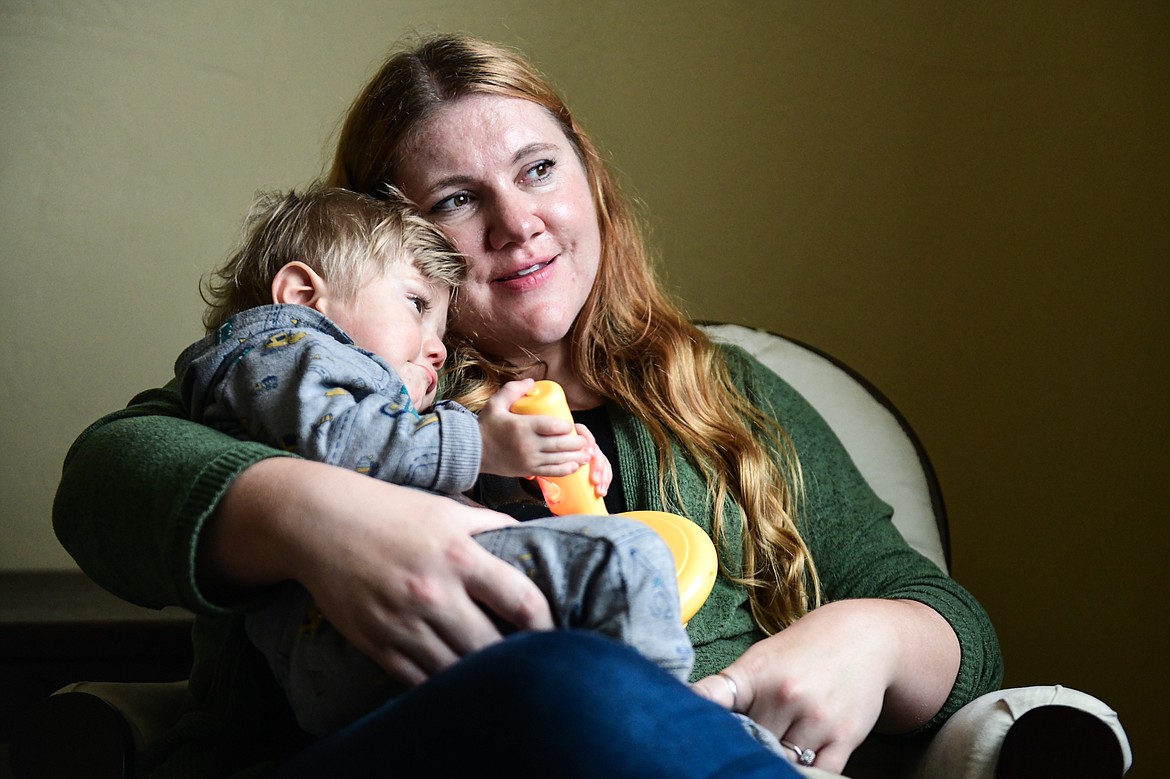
(525, 445)
(304, 391)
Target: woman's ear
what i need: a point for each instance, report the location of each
(297, 283)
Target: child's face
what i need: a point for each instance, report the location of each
(402, 318)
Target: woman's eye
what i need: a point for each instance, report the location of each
(540, 170)
(456, 201)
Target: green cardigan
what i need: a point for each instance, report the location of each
(133, 525)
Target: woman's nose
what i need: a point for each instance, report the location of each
(513, 220)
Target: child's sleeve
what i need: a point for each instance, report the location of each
(306, 392)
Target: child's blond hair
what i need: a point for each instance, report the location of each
(345, 237)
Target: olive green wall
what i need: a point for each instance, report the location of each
(968, 203)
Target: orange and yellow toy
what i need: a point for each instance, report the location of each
(695, 560)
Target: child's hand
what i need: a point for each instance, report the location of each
(524, 445)
(600, 471)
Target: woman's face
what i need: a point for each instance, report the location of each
(502, 180)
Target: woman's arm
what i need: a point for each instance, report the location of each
(899, 644)
(162, 511)
(394, 569)
(827, 680)
(136, 490)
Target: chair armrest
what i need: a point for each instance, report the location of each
(149, 708)
(1028, 731)
(93, 729)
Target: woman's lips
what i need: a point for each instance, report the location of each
(527, 277)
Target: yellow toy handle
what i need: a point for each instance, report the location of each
(695, 560)
(565, 495)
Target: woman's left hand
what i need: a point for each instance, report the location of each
(826, 681)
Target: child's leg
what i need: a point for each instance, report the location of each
(610, 574)
(328, 683)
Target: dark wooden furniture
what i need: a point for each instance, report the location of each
(57, 628)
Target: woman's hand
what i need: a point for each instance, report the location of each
(395, 570)
(828, 679)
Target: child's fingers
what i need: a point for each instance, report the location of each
(584, 433)
(600, 470)
(551, 439)
(512, 391)
(600, 474)
(551, 427)
(557, 469)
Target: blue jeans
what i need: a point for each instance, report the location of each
(562, 703)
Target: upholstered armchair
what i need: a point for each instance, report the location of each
(1024, 732)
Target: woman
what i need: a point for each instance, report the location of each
(823, 624)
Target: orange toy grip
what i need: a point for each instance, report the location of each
(694, 554)
(565, 495)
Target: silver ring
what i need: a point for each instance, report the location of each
(732, 688)
(806, 757)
